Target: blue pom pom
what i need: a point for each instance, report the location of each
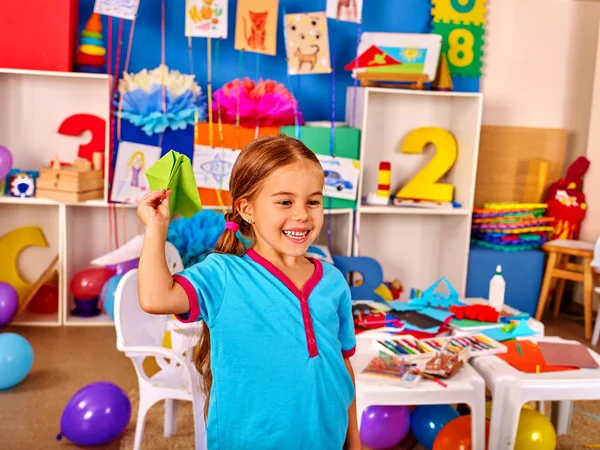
(195, 238)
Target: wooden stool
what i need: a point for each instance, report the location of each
(559, 267)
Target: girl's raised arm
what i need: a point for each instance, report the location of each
(158, 293)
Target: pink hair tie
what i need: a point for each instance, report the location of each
(232, 226)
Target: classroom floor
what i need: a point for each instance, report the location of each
(69, 358)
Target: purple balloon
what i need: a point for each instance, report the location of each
(9, 303)
(384, 426)
(6, 162)
(96, 414)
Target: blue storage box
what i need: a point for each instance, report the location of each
(523, 272)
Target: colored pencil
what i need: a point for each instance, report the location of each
(398, 347)
(411, 345)
(482, 343)
(430, 377)
(390, 348)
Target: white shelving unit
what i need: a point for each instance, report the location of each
(34, 105)
(416, 245)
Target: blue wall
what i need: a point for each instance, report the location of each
(312, 91)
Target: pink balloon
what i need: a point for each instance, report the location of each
(6, 162)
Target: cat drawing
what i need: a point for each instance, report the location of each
(310, 58)
(258, 30)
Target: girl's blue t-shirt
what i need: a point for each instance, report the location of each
(277, 353)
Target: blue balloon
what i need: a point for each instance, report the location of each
(96, 414)
(426, 421)
(107, 296)
(16, 359)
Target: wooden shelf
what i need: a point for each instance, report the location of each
(390, 209)
(51, 73)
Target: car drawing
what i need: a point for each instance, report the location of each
(334, 179)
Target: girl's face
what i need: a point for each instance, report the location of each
(287, 213)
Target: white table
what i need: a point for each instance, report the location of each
(512, 388)
(466, 386)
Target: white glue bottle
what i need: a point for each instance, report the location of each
(497, 288)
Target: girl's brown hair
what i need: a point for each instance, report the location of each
(256, 162)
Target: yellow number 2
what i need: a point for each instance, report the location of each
(424, 185)
(460, 47)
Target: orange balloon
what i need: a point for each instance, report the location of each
(456, 435)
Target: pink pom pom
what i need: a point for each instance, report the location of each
(266, 104)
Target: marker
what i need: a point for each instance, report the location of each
(482, 343)
(410, 344)
(397, 347)
(408, 349)
(386, 347)
(475, 344)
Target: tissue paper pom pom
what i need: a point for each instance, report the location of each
(195, 238)
(266, 104)
(142, 100)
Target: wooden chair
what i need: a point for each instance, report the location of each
(559, 267)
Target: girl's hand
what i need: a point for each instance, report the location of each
(154, 209)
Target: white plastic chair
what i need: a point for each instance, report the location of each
(139, 335)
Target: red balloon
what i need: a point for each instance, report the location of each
(456, 435)
(45, 301)
(87, 284)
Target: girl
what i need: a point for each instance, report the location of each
(274, 351)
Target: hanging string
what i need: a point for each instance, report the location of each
(209, 86)
(331, 142)
(191, 61)
(355, 87)
(239, 94)
(162, 57)
(257, 66)
(110, 132)
(163, 67)
(220, 122)
(289, 79)
(355, 245)
(114, 116)
(124, 220)
(125, 70)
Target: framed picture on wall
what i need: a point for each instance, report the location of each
(411, 54)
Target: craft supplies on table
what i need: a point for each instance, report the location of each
(389, 367)
(415, 349)
(480, 344)
(527, 357)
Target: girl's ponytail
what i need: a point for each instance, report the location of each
(228, 241)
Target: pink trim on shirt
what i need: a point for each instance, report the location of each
(349, 353)
(194, 313)
(301, 295)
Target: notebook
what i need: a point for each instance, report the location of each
(571, 355)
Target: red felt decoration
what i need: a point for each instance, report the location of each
(77, 124)
(566, 201)
(481, 313)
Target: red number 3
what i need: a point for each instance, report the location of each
(77, 124)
